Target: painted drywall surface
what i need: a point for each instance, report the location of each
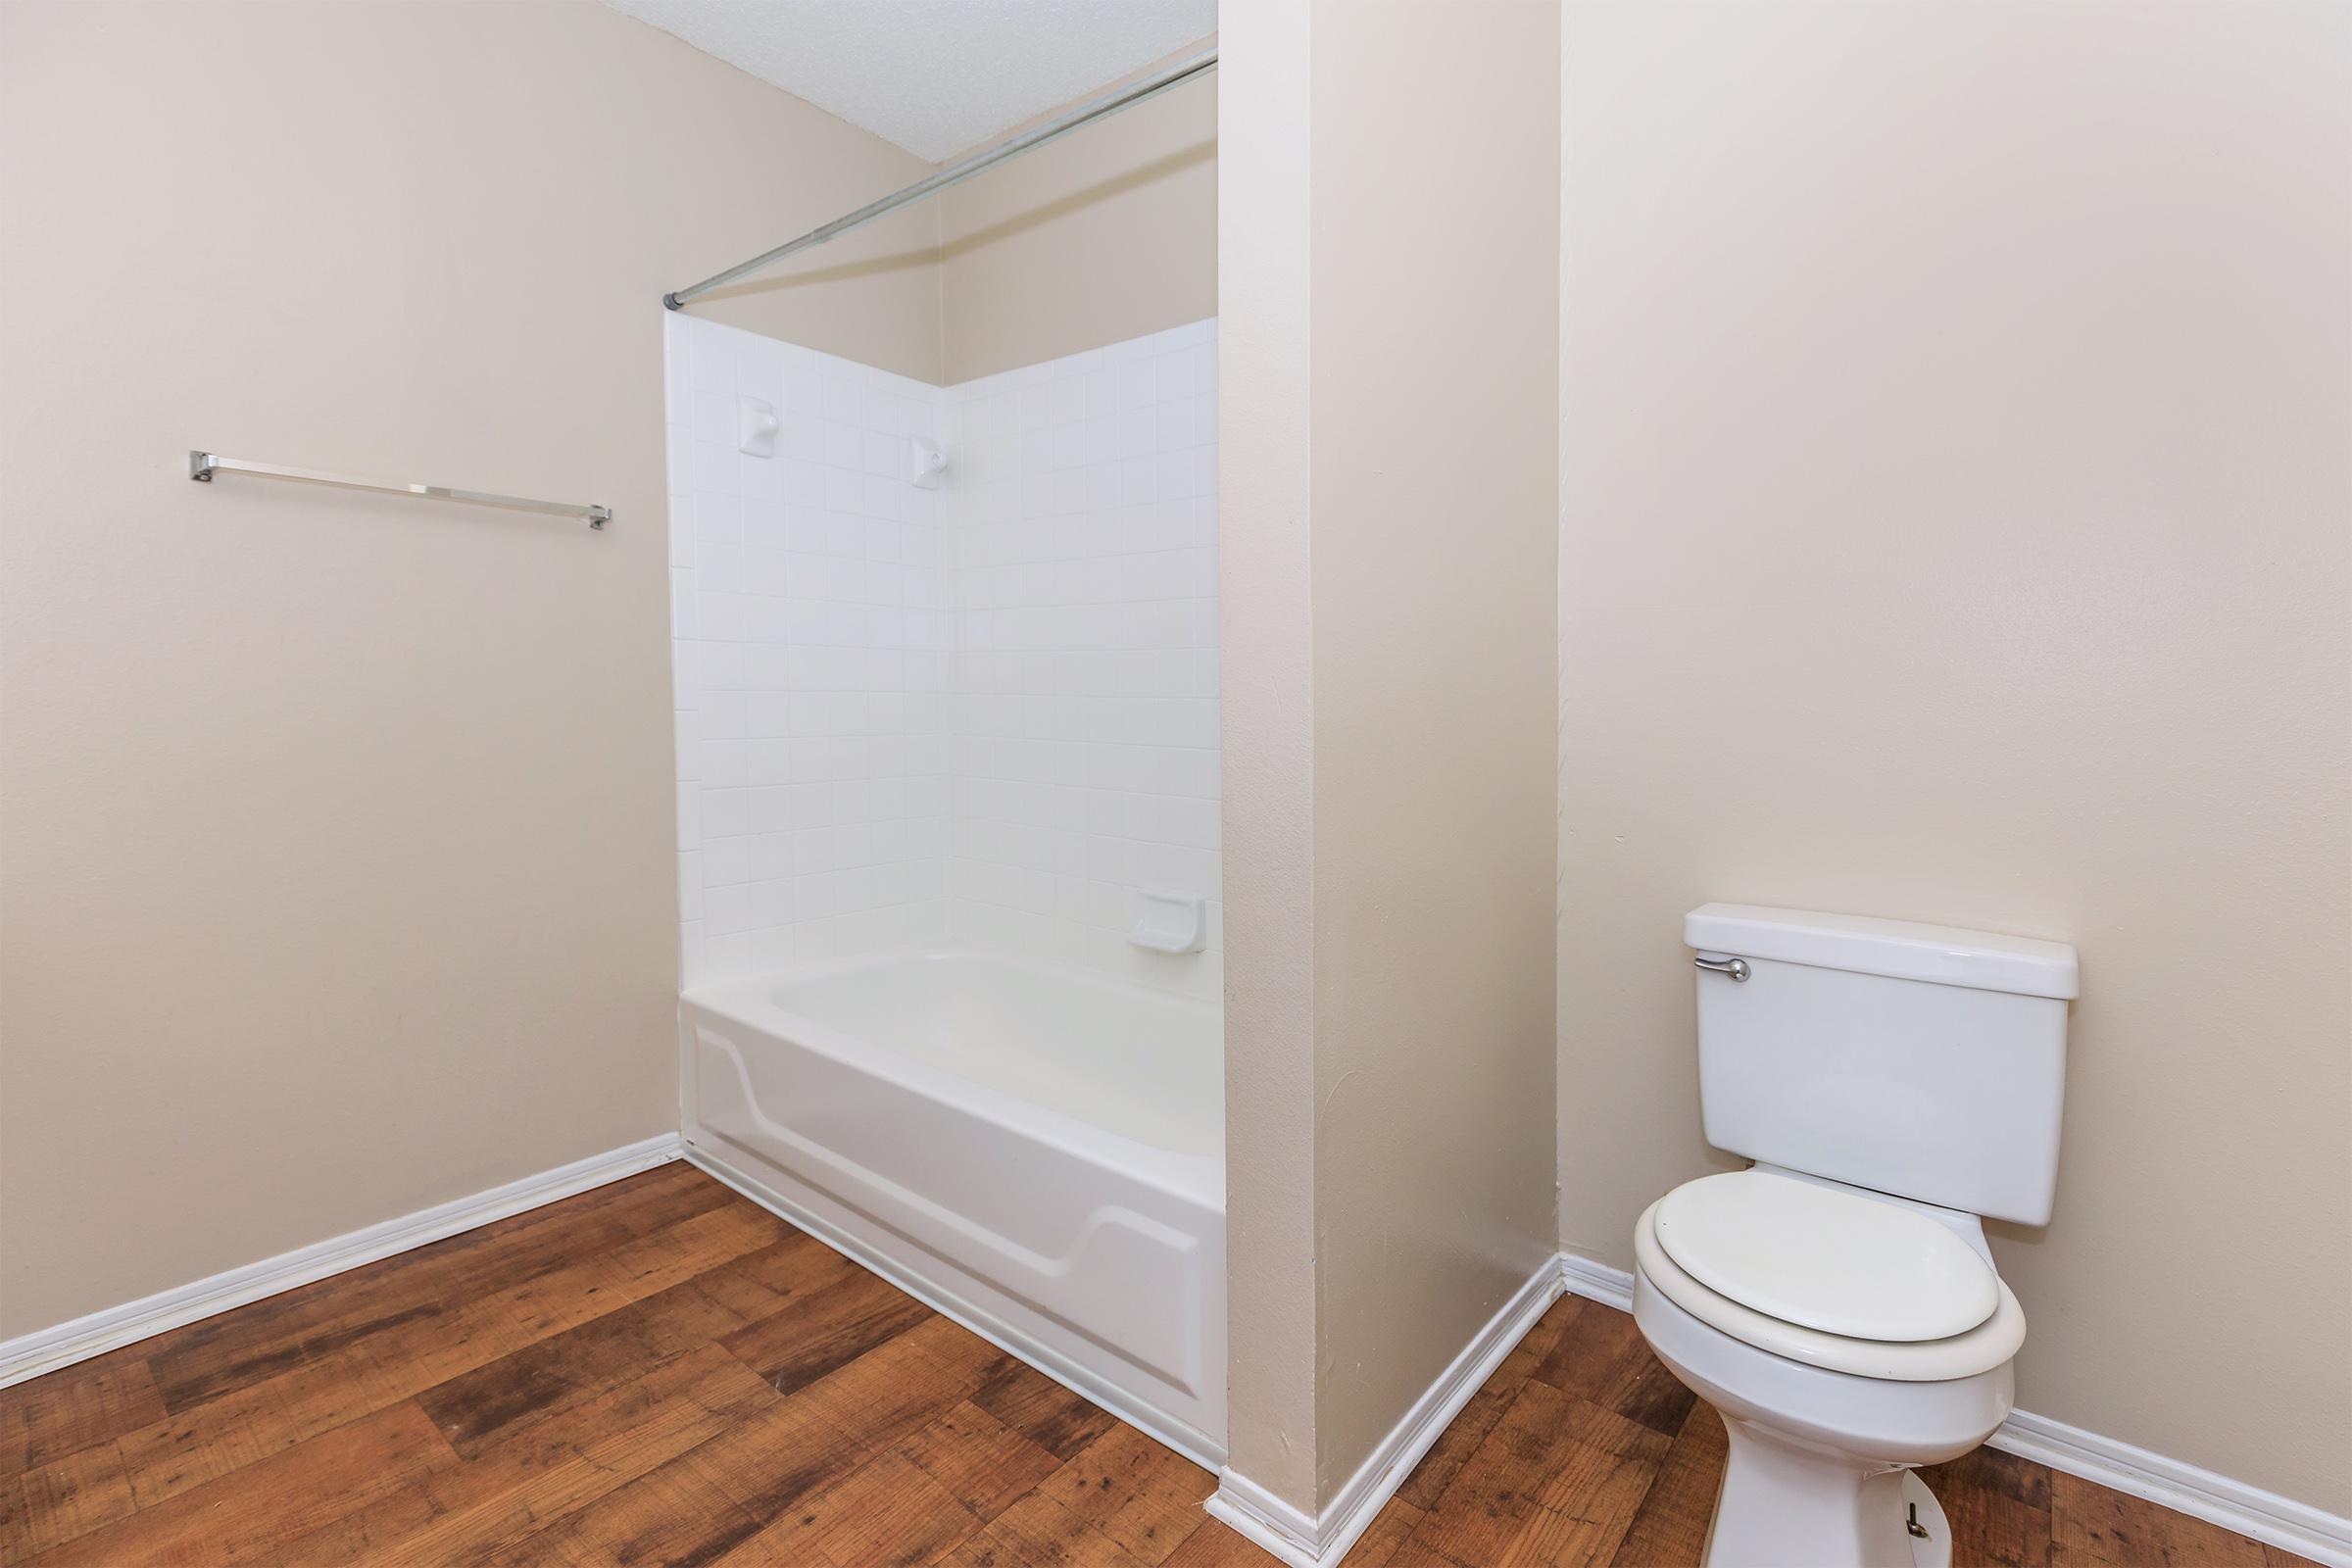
(1387, 494)
(933, 76)
(1265, 636)
(1956, 528)
(338, 829)
(1435, 269)
(1095, 239)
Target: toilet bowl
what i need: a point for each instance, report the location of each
(1836, 1303)
(1824, 1429)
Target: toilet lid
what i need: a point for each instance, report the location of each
(1828, 1259)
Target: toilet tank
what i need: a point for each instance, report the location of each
(1914, 1059)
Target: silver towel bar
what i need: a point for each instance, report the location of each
(201, 465)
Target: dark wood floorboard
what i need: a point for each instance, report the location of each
(662, 1372)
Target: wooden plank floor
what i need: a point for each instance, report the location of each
(662, 1372)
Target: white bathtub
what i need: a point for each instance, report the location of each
(1034, 1150)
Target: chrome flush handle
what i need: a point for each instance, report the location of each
(1737, 968)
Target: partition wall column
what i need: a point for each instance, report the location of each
(1388, 254)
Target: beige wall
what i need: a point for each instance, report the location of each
(1390, 659)
(1435, 271)
(1265, 647)
(338, 830)
(1957, 528)
(1097, 239)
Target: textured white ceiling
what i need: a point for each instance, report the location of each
(934, 76)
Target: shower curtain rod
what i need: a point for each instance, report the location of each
(1126, 97)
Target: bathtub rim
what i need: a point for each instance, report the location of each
(746, 1001)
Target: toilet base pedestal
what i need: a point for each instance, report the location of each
(1781, 1506)
(1934, 1550)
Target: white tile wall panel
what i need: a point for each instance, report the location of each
(1082, 686)
(985, 714)
(809, 643)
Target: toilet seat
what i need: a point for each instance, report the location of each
(1989, 1345)
(1827, 1257)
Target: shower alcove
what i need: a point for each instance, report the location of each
(941, 730)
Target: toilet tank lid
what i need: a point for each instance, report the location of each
(1982, 961)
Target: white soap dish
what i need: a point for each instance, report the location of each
(1170, 923)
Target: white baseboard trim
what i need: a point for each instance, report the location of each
(43, 1351)
(1267, 1522)
(2266, 1517)
(2276, 1521)
(1597, 1282)
(1289, 1534)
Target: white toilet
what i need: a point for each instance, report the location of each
(1836, 1302)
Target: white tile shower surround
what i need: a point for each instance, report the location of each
(985, 714)
(1082, 697)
